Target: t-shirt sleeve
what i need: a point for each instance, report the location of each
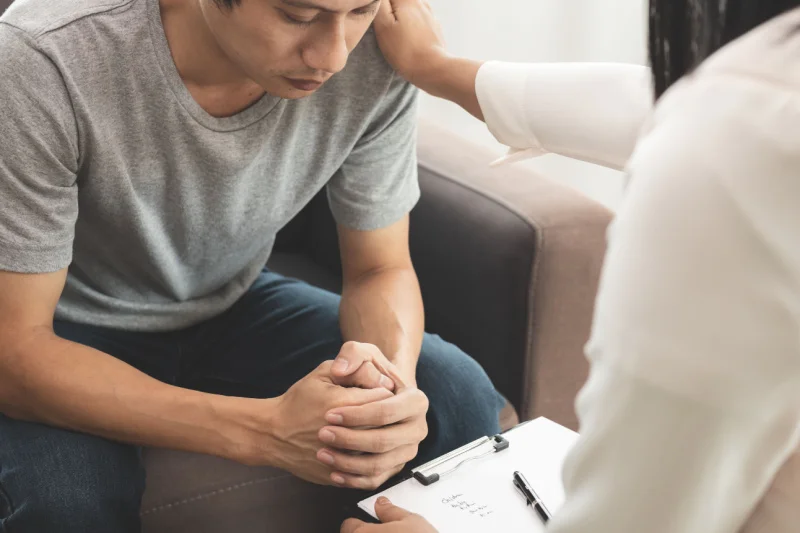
(378, 183)
(38, 165)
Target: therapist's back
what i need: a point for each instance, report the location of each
(691, 418)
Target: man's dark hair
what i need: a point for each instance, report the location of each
(683, 33)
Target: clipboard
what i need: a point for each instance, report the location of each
(471, 489)
(431, 472)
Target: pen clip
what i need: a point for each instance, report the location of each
(522, 491)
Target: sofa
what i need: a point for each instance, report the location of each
(508, 263)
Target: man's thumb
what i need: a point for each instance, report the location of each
(388, 512)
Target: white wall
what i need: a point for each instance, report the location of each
(542, 30)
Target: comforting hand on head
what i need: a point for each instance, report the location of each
(411, 40)
(410, 37)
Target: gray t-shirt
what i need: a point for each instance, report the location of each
(165, 214)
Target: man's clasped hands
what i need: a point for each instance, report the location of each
(353, 422)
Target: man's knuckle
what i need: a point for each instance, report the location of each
(381, 444)
(424, 431)
(375, 469)
(343, 438)
(388, 466)
(423, 400)
(362, 376)
(350, 348)
(359, 528)
(386, 413)
(354, 443)
(355, 418)
(370, 348)
(412, 453)
(372, 373)
(343, 462)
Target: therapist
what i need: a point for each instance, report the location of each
(690, 419)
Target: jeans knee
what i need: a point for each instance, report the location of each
(53, 480)
(464, 404)
(5, 505)
(452, 375)
(76, 506)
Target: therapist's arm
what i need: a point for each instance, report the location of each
(588, 111)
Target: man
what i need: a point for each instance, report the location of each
(150, 153)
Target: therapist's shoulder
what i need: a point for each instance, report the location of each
(738, 115)
(770, 53)
(726, 138)
(764, 61)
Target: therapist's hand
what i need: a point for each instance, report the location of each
(410, 38)
(395, 520)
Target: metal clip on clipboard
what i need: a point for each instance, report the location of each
(431, 472)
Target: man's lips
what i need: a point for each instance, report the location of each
(304, 85)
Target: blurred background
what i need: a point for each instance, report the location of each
(542, 30)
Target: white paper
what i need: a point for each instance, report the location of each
(481, 494)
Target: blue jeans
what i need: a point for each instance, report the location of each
(53, 481)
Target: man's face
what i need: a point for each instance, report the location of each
(290, 47)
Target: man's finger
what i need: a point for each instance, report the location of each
(388, 512)
(381, 440)
(363, 482)
(352, 525)
(352, 356)
(353, 397)
(406, 404)
(366, 377)
(370, 465)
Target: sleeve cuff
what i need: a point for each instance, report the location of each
(361, 218)
(24, 260)
(500, 88)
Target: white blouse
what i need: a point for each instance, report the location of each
(690, 420)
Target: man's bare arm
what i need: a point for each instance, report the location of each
(47, 379)
(381, 300)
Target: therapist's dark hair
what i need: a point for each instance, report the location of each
(683, 33)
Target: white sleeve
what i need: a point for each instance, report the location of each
(588, 111)
(692, 406)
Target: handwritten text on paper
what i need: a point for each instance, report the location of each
(462, 503)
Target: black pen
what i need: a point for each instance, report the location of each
(530, 495)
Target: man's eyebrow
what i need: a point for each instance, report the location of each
(303, 4)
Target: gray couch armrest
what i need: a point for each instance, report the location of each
(509, 263)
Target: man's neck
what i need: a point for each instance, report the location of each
(217, 84)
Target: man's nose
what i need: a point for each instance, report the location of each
(328, 51)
